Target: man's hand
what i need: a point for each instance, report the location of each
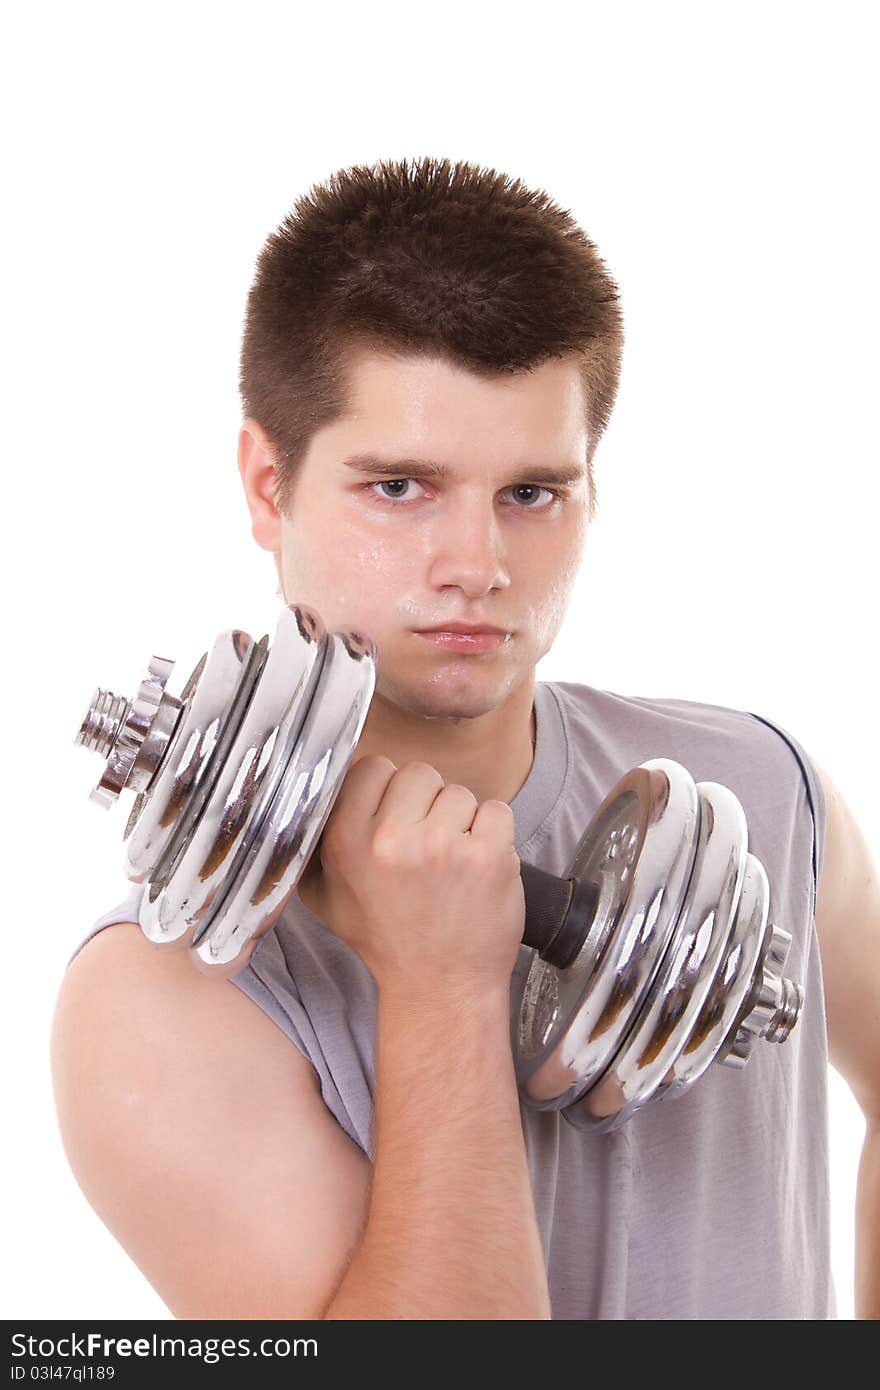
(425, 885)
(419, 879)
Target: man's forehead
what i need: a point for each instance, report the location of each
(430, 410)
(367, 368)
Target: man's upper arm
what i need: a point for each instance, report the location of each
(197, 1132)
(848, 929)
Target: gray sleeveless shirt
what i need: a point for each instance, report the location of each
(711, 1206)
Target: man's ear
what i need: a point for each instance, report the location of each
(256, 464)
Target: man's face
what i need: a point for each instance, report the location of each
(378, 541)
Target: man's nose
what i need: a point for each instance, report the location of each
(467, 550)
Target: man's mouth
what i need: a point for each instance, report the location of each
(466, 629)
(460, 637)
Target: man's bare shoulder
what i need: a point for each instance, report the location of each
(119, 976)
(197, 1132)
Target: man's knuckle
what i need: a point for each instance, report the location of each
(464, 795)
(422, 772)
(385, 846)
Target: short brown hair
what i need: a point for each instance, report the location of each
(422, 258)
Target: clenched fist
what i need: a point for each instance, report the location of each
(419, 879)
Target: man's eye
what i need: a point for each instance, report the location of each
(527, 493)
(398, 485)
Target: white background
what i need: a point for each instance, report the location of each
(723, 159)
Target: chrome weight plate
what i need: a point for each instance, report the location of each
(750, 997)
(639, 849)
(716, 1022)
(180, 904)
(661, 1030)
(279, 848)
(235, 778)
(213, 701)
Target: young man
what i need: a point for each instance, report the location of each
(430, 356)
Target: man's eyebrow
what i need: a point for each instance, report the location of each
(426, 468)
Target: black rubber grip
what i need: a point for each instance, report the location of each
(559, 914)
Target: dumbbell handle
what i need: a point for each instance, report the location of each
(559, 914)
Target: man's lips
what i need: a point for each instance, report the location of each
(459, 637)
(469, 629)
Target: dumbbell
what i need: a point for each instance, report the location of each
(653, 953)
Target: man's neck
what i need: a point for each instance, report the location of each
(491, 754)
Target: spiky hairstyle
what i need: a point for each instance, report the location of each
(420, 257)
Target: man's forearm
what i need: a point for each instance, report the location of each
(451, 1229)
(867, 1274)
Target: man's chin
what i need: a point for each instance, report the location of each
(453, 701)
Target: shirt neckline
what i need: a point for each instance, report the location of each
(542, 788)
